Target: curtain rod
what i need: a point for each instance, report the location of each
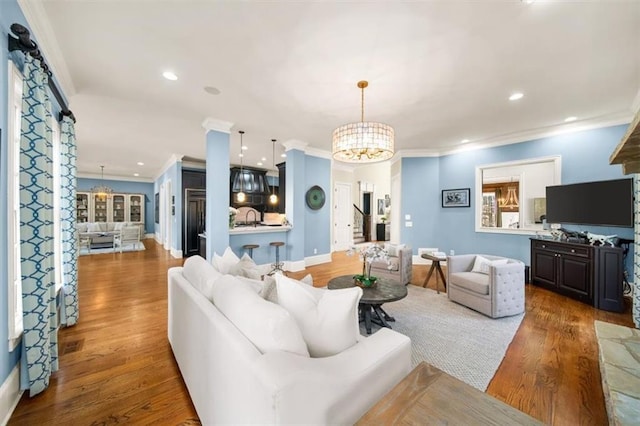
(24, 43)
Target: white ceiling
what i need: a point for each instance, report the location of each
(438, 71)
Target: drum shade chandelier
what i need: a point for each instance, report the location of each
(102, 191)
(365, 141)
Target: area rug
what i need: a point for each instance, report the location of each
(451, 337)
(85, 251)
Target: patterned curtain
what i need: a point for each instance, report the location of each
(40, 339)
(69, 313)
(636, 252)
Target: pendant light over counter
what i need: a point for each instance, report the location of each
(273, 198)
(241, 197)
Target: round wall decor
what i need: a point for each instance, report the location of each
(315, 197)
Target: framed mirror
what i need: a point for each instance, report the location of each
(510, 197)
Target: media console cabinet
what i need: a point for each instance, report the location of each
(590, 274)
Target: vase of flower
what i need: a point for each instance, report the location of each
(232, 217)
(368, 255)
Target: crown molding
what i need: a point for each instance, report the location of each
(98, 176)
(405, 153)
(345, 167)
(635, 105)
(170, 162)
(321, 153)
(217, 125)
(295, 144)
(48, 44)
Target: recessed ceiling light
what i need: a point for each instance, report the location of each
(212, 90)
(241, 155)
(515, 96)
(464, 141)
(528, 1)
(283, 155)
(169, 75)
(259, 163)
(136, 174)
(140, 163)
(244, 147)
(570, 119)
(263, 159)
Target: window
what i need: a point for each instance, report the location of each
(13, 202)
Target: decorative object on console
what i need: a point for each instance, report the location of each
(602, 239)
(232, 217)
(456, 197)
(363, 142)
(102, 191)
(315, 197)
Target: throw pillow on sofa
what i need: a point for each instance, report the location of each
(246, 267)
(200, 274)
(328, 319)
(481, 264)
(268, 326)
(224, 263)
(270, 289)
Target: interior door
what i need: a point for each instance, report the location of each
(195, 221)
(342, 216)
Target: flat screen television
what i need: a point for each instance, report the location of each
(603, 203)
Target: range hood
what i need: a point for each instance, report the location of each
(253, 182)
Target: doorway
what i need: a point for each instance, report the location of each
(195, 208)
(342, 217)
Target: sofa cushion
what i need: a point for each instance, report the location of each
(270, 288)
(94, 227)
(224, 263)
(267, 325)
(481, 264)
(200, 274)
(328, 319)
(392, 265)
(245, 267)
(393, 249)
(472, 281)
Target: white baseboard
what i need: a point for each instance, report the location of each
(417, 260)
(294, 266)
(149, 236)
(176, 253)
(10, 394)
(157, 238)
(318, 259)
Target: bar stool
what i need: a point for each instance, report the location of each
(277, 267)
(250, 248)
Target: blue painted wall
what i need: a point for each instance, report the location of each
(174, 175)
(145, 188)
(317, 223)
(585, 157)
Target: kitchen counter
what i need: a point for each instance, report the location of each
(260, 229)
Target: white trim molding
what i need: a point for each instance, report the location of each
(83, 175)
(170, 162)
(176, 253)
(318, 259)
(10, 394)
(217, 125)
(315, 152)
(294, 265)
(295, 144)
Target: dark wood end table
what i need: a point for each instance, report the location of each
(435, 265)
(384, 291)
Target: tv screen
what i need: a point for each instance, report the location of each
(604, 203)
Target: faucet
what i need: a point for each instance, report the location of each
(255, 218)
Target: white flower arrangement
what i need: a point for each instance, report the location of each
(232, 216)
(368, 255)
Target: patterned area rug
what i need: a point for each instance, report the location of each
(451, 337)
(139, 247)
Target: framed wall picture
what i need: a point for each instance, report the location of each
(380, 206)
(157, 207)
(456, 197)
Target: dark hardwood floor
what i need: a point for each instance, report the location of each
(116, 365)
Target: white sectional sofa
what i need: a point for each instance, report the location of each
(231, 381)
(101, 233)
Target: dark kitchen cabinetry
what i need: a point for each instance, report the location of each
(590, 274)
(282, 178)
(253, 182)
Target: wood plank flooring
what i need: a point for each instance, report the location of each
(116, 365)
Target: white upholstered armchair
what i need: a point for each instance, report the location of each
(491, 285)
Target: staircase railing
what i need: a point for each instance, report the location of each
(361, 223)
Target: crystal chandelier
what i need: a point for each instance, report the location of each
(511, 201)
(365, 141)
(102, 191)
